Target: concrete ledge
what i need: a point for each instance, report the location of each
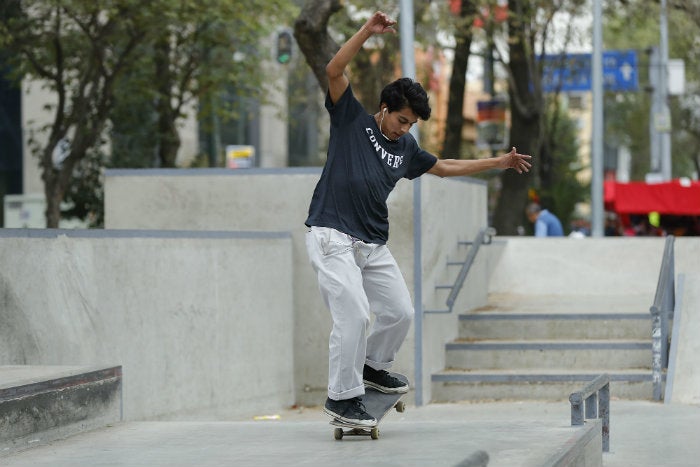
(584, 448)
(140, 233)
(42, 404)
(208, 172)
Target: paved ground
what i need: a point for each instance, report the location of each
(512, 433)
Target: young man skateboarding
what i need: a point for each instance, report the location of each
(348, 226)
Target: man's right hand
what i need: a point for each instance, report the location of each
(380, 23)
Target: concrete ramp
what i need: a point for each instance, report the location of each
(683, 379)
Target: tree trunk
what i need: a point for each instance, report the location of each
(311, 34)
(53, 202)
(93, 109)
(168, 136)
(56, 182)
(524, 131)
(455, 105)
(168, 140)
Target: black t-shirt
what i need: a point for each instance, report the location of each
(361, 170)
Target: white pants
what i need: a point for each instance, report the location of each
(355, 278)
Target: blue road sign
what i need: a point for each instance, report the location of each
(620, 70)
(572, 72)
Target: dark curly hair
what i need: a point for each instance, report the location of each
(404, 92)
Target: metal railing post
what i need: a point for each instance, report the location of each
(604, 414)
(661, 312)
(594, 398)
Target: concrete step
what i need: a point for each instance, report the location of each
(40, 404)
(534, 384)
(554, 325)
(609, 355)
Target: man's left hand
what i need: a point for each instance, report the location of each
(518, 162)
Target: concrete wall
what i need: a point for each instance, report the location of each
(236, 201)
(221, 253)
(182, 312)
(278, 200)
(613, 266)
(683, 379)
(452, 210)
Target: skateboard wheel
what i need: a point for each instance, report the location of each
(374, 433)
(400, 406)
(338, 433)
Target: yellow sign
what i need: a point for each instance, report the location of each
(240, 156)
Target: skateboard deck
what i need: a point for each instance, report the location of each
(377, 404)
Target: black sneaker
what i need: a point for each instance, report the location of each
(349, 411)
(382, 381)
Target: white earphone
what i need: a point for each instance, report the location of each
(380, 125)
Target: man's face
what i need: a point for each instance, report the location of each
(396, 124)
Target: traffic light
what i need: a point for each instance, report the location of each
(284, 47)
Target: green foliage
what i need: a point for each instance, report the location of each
(564, 189)
(135, 63)
(199, 52)
(627, 114)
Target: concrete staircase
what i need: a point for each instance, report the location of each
(534, 347)
(40, 404)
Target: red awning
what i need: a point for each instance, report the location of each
(680, 198)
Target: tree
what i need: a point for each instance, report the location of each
(455, 105)
(158, 57)
(197, 53)
(311, 33)
(560, 147)
(627, 115)
(77, 48)
(200, 48)
(530, 28)
(526, 35)
(377, 65)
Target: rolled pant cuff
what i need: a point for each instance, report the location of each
(378, 365)
(349, 394)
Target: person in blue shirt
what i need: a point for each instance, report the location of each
(348, 225)
(546, 223)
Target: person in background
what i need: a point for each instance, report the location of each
(546, 223)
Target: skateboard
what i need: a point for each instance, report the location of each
(377, 404)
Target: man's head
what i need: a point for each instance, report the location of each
(533, 211)
(404, 92)
(401, 104)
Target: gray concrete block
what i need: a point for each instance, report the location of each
(57, 406)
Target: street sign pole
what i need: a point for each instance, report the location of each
(408, 59)
(597, 136)
(665, 136)
(408, 69)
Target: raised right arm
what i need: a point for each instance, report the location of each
(338, 82)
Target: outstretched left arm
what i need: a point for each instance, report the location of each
(461, 167)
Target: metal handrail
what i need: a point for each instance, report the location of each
(595, 398)
(661, 313)
(483, 237)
